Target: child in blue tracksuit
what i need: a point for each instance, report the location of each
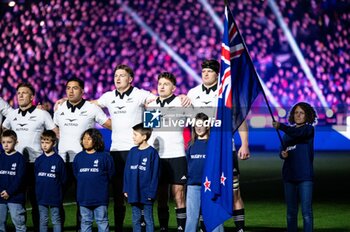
(141, 178)
(93, 168)
(50, 177)
(196, 155)
(12, 178)
(298, 171)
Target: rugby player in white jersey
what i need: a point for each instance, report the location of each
(29, 122)
(73, 117)
(170, 145)
(126, 105)
(205, 97)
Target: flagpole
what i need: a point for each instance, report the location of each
(257, 75)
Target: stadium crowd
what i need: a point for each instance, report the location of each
(48, 42)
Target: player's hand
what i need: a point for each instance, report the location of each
(243, 152)
(39, 106)
(284, 154)
(185, 101)
(149, 101)
(276, 124)
(58, 103)
(45, 106)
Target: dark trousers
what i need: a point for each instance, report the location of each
(119, 158)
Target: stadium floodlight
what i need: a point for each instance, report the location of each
(282, 113)
(329, 113)
(12, 3)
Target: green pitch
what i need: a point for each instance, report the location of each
(262, 192)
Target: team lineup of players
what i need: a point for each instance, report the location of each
(73, 123)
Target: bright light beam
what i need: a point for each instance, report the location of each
(162, 44)
(298, 53)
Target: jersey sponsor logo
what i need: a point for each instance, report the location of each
(120, 110)
(136, 166)
(71, 120)
(89, 170)
(206, 102)
(45, 174)
(22, 128)
(198, 156)
(6, 172)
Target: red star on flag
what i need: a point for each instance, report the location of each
(222, 179)
(207, 184)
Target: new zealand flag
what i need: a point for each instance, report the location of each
(238, 88)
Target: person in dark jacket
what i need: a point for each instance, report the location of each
(298, 171)
(93, 168)
(50, 177)
(141, 178)
(196, 154)
(12, 178)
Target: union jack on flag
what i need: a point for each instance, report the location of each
(238, 73)
(231, 48)
(238, 87)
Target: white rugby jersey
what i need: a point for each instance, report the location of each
(72, 122)
(204, 99)
(169, 142)
(29, 125)
(5, 109)
(126, 111)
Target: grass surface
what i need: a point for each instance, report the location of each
(262, 191)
